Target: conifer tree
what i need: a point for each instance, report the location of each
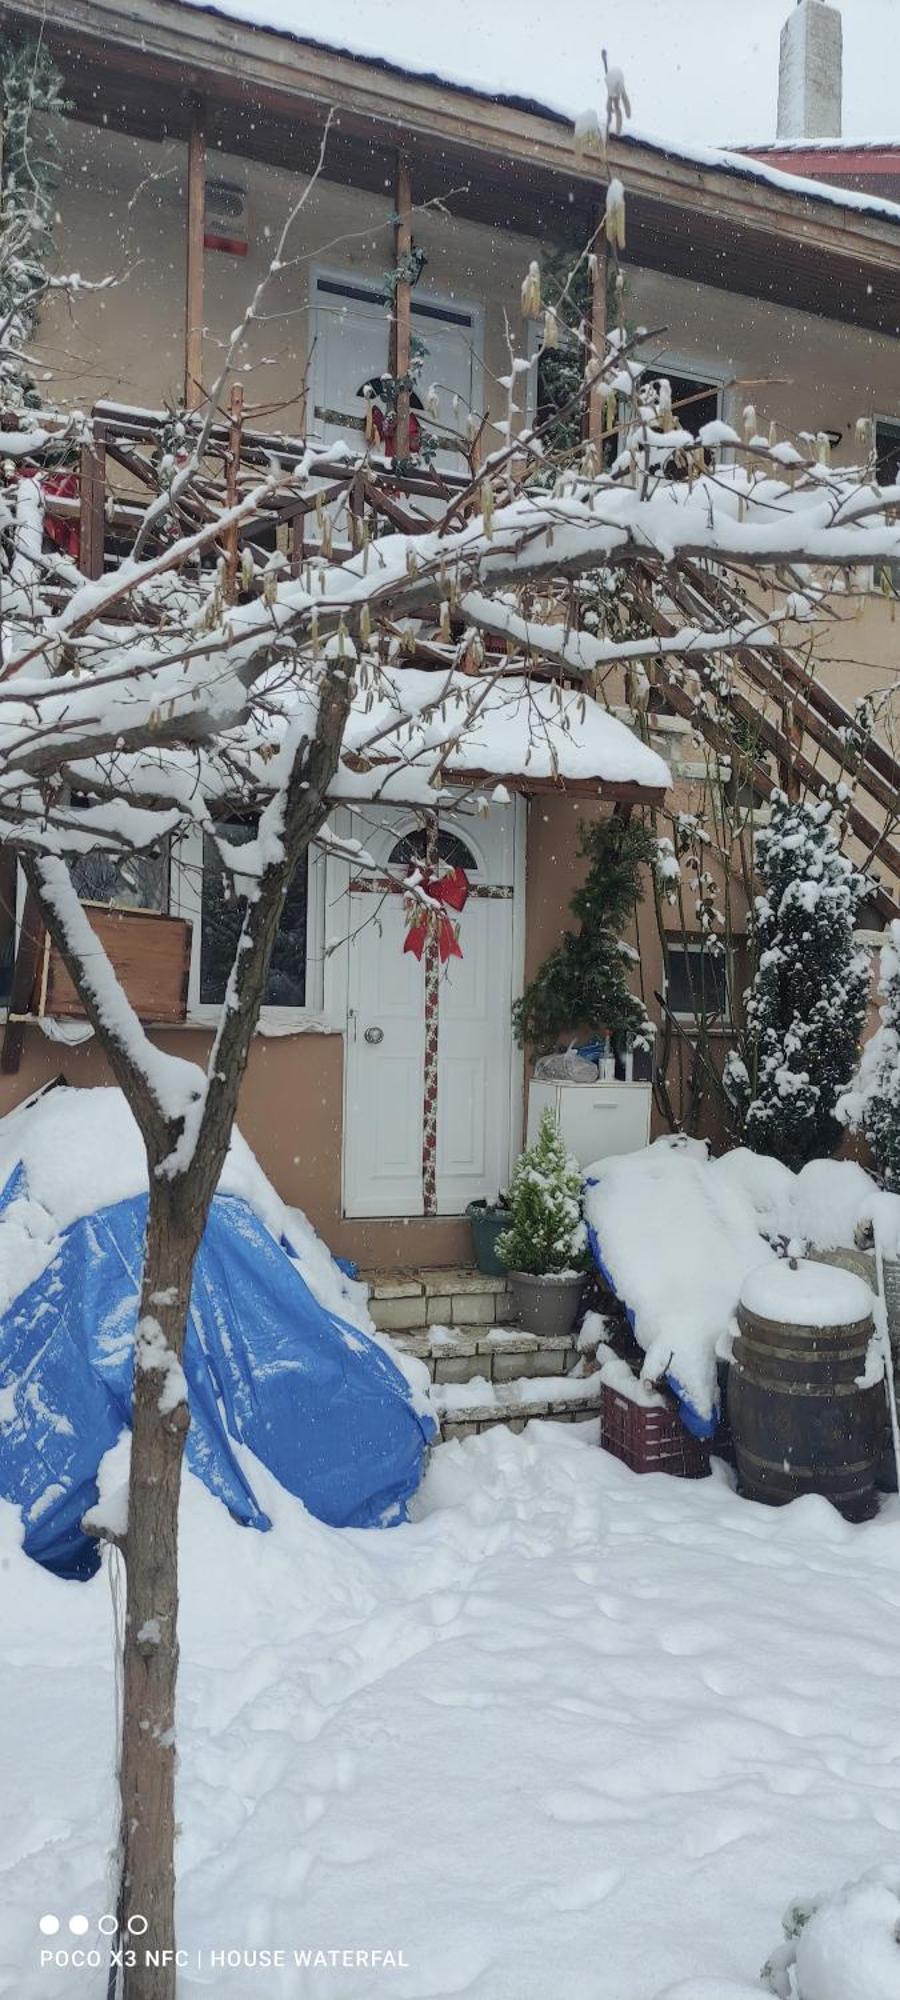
(807, 1002)
(872, 1104)
(547, 1234)
(30, 98)
(583, 982)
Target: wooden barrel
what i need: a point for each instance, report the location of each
(805, 1404)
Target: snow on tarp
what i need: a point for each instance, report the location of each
(276, 1357)
(676, 1235)
(676, 1243)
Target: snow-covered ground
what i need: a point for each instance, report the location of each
(570, 1735)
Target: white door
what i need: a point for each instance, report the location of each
(385, 1048)
(351, 346)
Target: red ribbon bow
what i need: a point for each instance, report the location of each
(452, 890)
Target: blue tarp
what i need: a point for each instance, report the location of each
(318, 1402)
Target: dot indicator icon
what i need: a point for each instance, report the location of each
(49, 1926)
(79, 1925)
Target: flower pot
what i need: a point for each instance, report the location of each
(488, 1222)
(547, 1305)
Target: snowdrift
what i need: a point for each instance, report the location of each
(279, 1356)
(675, 1234)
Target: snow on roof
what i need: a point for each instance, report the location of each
(842, 145)
(484, 78)
(748, 168)
(526, 729)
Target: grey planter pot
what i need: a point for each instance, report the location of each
(547, 1305)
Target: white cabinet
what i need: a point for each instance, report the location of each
(595, 1119)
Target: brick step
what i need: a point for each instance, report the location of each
(466, 1408)
(409, 1301)
(492, 1354)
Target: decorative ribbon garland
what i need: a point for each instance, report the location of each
(452, 892)
(432, 932)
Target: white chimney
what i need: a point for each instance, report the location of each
(810, 72)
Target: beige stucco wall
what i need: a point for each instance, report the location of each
(122, 205)
(805, 372)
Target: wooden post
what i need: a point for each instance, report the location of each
(596, 402)
(92, 504)
(235, 426)
(196, 221)
(432, 964)
(31, 940)
(401, 345)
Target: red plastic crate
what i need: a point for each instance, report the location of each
(650, 1439)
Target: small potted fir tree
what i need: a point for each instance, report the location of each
(545, 1247)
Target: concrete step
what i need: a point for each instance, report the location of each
(486, 1353)
(408, 1301)
(466, 1408)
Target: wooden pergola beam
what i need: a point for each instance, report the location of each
(195, 220)
(92, 509)
(401, 323)
(596, 404)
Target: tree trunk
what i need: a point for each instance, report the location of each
(159, 1428)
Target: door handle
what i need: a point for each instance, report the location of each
(373, 1036)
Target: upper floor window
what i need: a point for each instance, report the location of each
(887, 472)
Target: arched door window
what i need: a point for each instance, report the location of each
(411, 851)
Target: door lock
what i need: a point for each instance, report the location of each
(373, 1036)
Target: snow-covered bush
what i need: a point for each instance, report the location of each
(842, 1946)
(547, 1234)
(807, 1001)
(872, 1103)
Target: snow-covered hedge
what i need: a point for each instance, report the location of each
(872, 1103)
(841, 1946)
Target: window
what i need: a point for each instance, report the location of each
(887, 472)
(694, 403)
(138, 882)
(412, 851)
(221, 916)
(697, 982)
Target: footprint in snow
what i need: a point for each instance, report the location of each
(722, 1833)
(688, 1637)
(581, 1892)
(576, 1808)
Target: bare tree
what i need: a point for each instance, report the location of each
(201, 679)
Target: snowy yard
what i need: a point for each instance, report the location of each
(571, 1735)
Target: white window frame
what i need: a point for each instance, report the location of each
(185, 889)
(368, 282)
(692, 370)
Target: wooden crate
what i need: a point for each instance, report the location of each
(650, 1439)
(151, 954)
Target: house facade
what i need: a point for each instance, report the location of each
(192, 136)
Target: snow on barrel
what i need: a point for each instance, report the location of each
(806, 1396)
